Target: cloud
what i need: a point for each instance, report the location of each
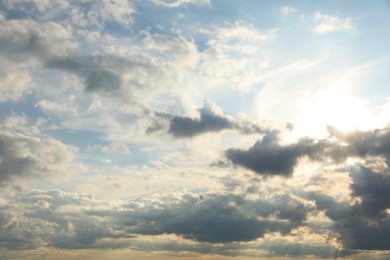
(286, 10)
(211, 120)
(363, 224)
(76, 220)
(119, 11)
(219, 218)
(56, 215)
(168, 73)
(234, 56)
(96, 77)
(114, 147)
(14, 85)
(87, 14)
(179, 3)
(365, 144)
(24, 38)
(32, 6)
(267, 157)
(238, 32)
(211, 221)
(25, 156)
(327, 23)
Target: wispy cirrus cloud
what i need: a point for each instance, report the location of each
(327, 24)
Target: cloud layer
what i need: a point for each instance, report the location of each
(197, 132)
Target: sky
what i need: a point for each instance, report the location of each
(194, 129)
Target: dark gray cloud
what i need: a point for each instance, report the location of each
(365, 143)
(72, 220)
(217, 221)
(218, 218)
(95, 75)
(189, 127)
(211, 119)
(267, 157)
(365, 224)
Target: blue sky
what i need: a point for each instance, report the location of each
(163, 129)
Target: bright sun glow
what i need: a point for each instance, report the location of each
(326, 108)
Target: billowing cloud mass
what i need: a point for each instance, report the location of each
(364, 224)
(268, 157)
(220, 219)
(167, 129)
(80, 221)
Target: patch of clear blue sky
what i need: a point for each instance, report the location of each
(26, 107)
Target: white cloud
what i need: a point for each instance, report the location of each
(56, 108)
(286, 10)
(179, 3)
(234, 56)
(119, 11)
(327, 23)
(85, 13)
(39, 5)
(114, 147)
(14, 85)
(25, 38)
(240, 32)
